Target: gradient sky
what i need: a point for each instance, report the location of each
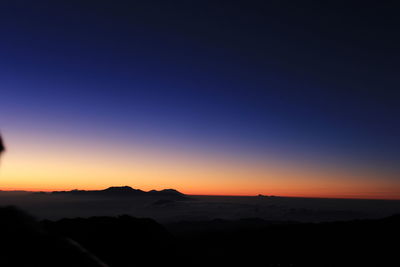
(207, 97)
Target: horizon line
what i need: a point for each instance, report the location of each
(219, 195)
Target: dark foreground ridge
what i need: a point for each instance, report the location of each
(129, 241)
(123, 191)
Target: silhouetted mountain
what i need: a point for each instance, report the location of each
(122, 190)
(125, 191)
(166, 192)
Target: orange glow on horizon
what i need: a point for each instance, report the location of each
(45, 164)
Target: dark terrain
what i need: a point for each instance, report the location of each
(127, 240)
(169, 205)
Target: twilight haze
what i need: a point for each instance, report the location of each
(213, 98)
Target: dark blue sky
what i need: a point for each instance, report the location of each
(320, 81)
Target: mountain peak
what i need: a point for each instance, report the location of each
(166, 192)
(125, 191)
(121, 189)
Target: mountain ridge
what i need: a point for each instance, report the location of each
(124, 191)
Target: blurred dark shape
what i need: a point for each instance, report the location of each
(121, 241)
(24, 242)
(2, 147)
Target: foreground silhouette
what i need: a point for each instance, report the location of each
(127, 241)
(24, 242)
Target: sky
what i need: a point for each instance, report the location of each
(207, 97)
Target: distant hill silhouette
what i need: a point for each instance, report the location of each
(125, 191)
